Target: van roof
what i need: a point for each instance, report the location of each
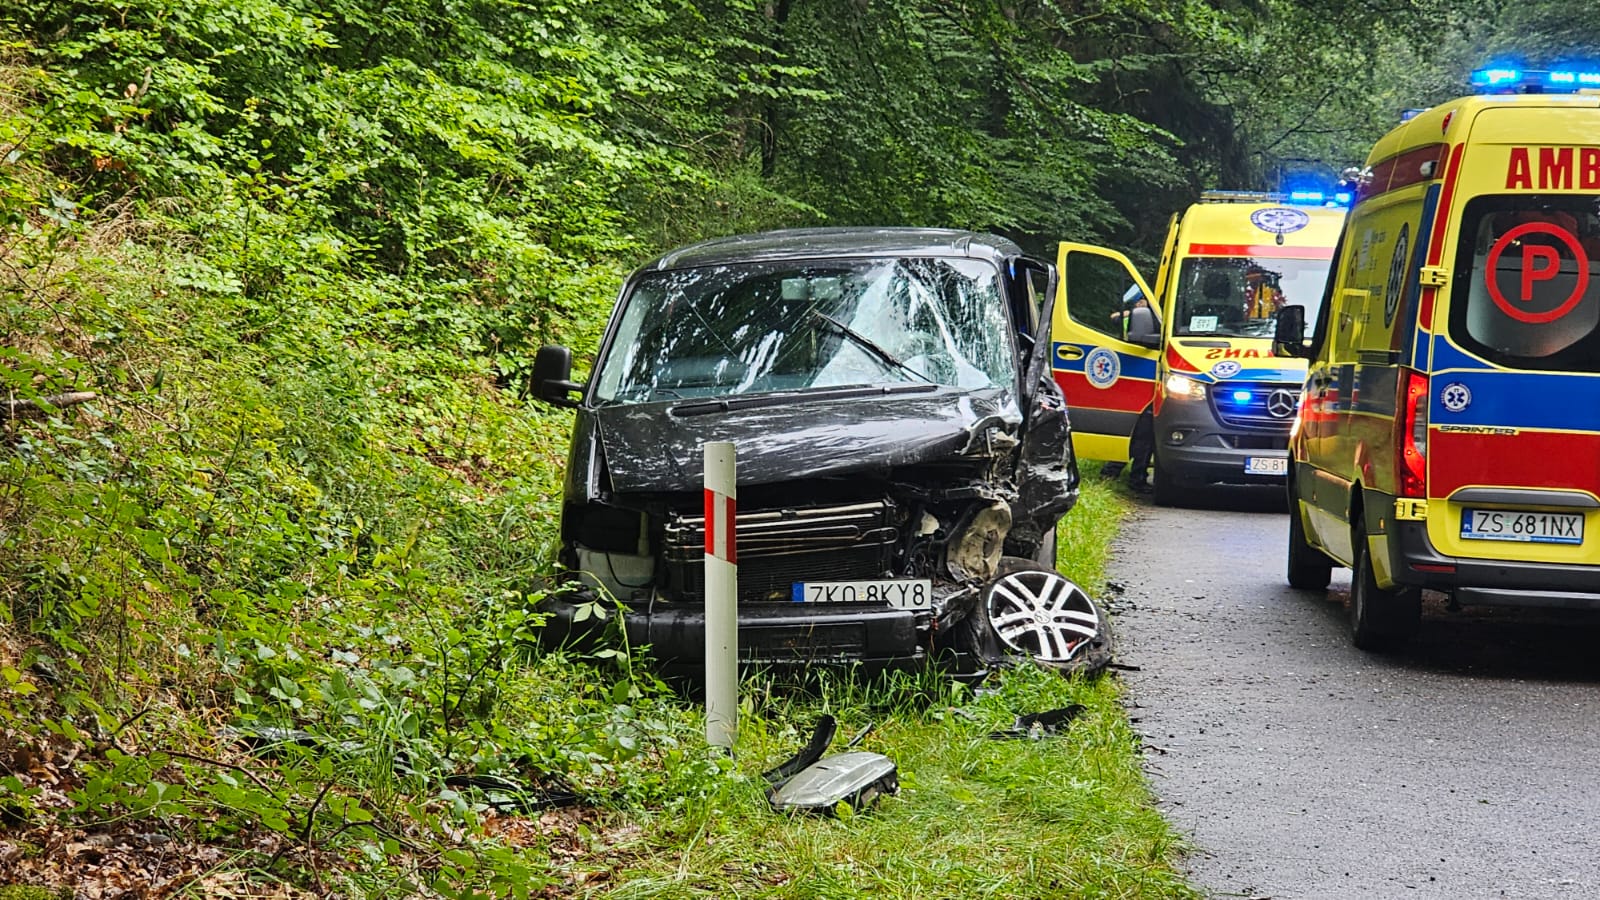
(805, 243)
(1230, 225)
(1445, 122)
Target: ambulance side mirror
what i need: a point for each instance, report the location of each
(1289, 339)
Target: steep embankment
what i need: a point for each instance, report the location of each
(264, 599)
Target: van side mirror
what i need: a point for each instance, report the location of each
(552, 376)
(1289, 338)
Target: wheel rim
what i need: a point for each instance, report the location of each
(1042, 614)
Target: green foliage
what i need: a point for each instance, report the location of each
(278, 580)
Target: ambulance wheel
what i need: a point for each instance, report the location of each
(1309, 568)
(1164, 490)
(1380, 620)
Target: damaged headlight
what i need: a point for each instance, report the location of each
(973, 554)
(617, 575)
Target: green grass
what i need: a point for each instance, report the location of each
(1065, 816)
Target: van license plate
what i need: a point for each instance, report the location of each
(1523, 527)
(1266, 465)
(903, 593)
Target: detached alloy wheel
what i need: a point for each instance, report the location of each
(1038, 613)
(1380, 620)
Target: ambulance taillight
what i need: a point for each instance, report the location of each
(1413, 434)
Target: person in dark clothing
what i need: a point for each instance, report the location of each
(1141, 447)
(1139, 320)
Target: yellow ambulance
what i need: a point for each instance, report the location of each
(1220, 400)
(1449, 437)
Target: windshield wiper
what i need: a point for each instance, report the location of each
(869, 345)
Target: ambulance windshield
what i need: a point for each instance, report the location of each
(1532, 299)
(762, 327)
(1239, 296)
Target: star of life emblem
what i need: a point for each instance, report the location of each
(1280, 219)
(1102, 367)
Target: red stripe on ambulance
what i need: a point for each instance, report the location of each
(1261, 251)
(1125, 393)
(1440, 226)
(1532, 459)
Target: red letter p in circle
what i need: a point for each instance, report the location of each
(1539, 263)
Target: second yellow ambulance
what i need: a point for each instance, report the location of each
(1221, 401)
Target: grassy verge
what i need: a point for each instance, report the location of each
(1062, 816)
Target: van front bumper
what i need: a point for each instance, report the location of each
(1194, 449)
(1480, 582)
(771, 635)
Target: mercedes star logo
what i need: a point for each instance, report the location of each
(1281, 403)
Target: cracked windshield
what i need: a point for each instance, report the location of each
(725, 330)
(1239, 296)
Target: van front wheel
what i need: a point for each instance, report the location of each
(1380, 620)
(1164, 490)
(1309, 568)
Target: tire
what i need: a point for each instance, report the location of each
(1164, 491)
(1309, 569)
(1380, 620)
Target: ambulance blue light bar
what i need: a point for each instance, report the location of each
(1509, 80)
(1304, 197)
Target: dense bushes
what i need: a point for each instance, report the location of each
(302, 252)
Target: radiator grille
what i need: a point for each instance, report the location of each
(1268, 405)
(777, 547)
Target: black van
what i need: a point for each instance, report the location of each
(903, 455)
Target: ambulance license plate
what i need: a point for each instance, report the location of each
(1266, 465)
(1523, 527)
(902, 593)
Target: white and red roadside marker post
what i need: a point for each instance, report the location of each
(722, 592)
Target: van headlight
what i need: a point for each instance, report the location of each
(615, 575)
(1182, 387)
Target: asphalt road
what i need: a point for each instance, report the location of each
(1467, 765)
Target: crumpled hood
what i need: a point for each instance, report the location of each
(648, 448)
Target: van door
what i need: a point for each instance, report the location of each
(1108, 379)
(1514, 446)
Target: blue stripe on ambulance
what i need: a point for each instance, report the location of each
(1255, 375)
(1502, 398)
(1131, 366)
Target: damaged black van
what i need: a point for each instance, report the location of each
(903, 455)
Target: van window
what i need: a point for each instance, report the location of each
(1528, 292)
(1099, 294)
(1239, 296)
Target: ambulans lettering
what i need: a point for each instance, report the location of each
(1237, 353)
(1553, 168)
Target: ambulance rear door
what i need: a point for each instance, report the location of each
(1108, 379)
(1513, 448)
